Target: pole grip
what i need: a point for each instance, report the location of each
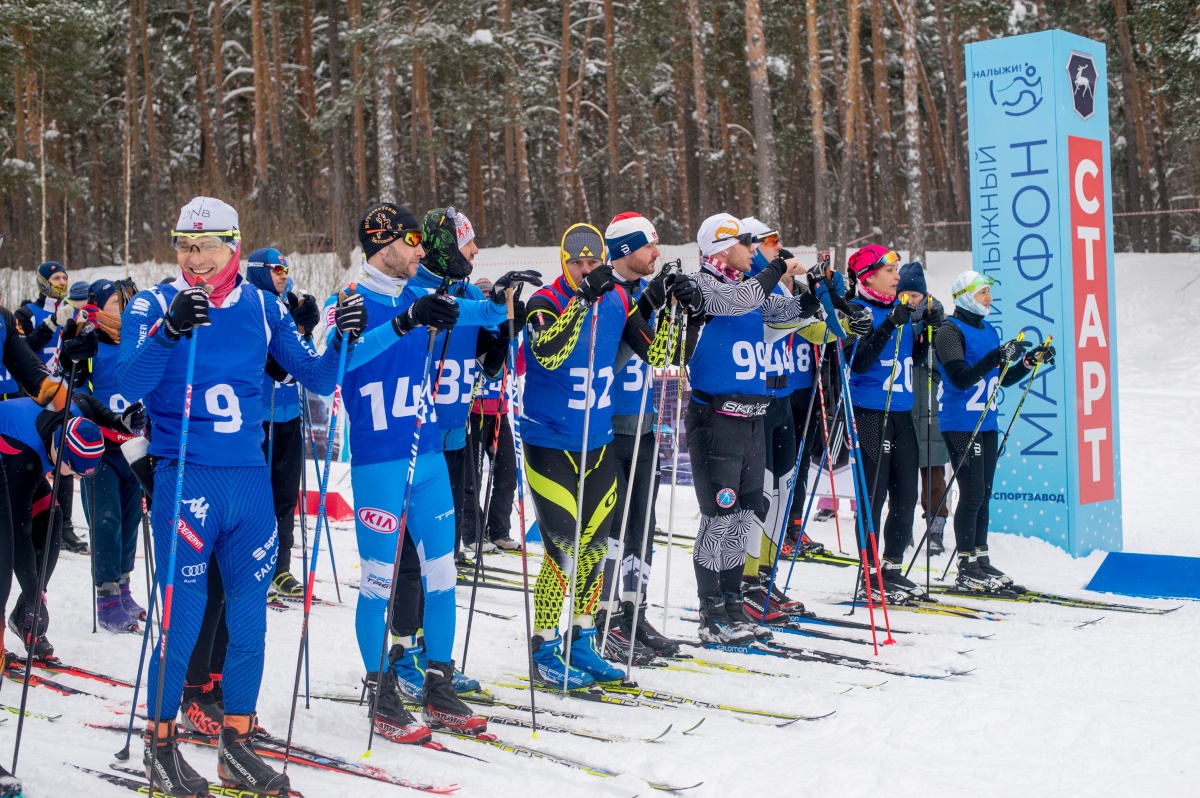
(508, 303)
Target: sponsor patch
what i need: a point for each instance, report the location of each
(189, 535)
(378, 520)
(140, 305)
(726, 497)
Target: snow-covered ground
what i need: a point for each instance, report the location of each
(1049, 709)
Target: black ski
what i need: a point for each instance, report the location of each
(816, 655)
(1038, 597)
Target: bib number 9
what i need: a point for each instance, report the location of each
(222, 402)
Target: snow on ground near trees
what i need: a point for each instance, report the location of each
(1050, 709)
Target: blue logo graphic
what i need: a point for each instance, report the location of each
(725, 498)
(1022, 94)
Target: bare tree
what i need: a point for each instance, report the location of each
(760, 105)
(700, 100)
(849, 122)
(816, 101)
(342, 237)
(615, 198)
(912, 134)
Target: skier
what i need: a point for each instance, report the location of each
(382, 392)
(476, 339)
(969, 356)
(225, 480)
(634, 234)
(725, 418)
(882, 373)
(112, 498)
(931, 449)
(41, 321)
(267, 270)
(489, 409)
(583, 305)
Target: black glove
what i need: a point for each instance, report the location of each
(862, 322)
(657, 289)
(499, 288)
(305, 312)
(520, 314)
(1039, 354)
(431, 310)
(188, 309)
(687, 293)
(80, 346)
(809, 304)
(901, 314)
(278, 372)
(133, 418)
(598, 283)
(786, 254)
(1012, 350)
(350, 315)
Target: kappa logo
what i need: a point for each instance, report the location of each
(1081, 69)
(378, 520)
(726, 497)
(140, 305)
(190, 536)
(198, 508)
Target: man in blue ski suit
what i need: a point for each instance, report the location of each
(225, 480)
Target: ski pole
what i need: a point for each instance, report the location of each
(169, 580)
(928, 426)
(423, 401)
(826, 456)
(837, 525)
(679, 382)
(648, 533)
(587, 420)
(514, 409)
(987, 407)
(1004, 441)
(321, 516)
(304, 428)
(152, 582)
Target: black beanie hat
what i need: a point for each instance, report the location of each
(382, 224)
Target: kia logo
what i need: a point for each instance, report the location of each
(193, 570)
(378, 520)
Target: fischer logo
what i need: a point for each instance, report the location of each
(198, 508)
(378, 520)
(1093, 356)
(189, 535)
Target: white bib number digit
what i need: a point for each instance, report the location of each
(587, 395)
(221, 401)
(983, 389)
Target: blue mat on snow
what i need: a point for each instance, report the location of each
(1148, 576)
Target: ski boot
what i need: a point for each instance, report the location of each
(552, 669)
(972, 578)
(985, 563)
(203, 707)
(507, 544)
(286, 586)
(171, 774)
(825, 514)
(441, 706)
(72, 542)
(20, 621)
(392, 718)
(894, 581)
(134, 609)
(110, 610)
(616, 645)
(488, 546)
(586, 658)
(716, 627)
(893, 595)
(646, 634)
(735, 610)
(756, 604)
(779, 600)
(937, 529)
(10, 786)
(238, 764)
(408, 667)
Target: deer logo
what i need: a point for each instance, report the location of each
(1081, 81)
(1084, 77)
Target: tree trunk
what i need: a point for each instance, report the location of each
(1135, 132)
(953, 127)
(581, 203)
(423, 124)
(262, 91)
(681, 151)
(760, 105)
(700, 99)
(849, 123)
(353, 11)
(308, 89)
(385, 133)
(218, 65)
(276, 97)
(208, 151)
(19, 116)
(816, 101)
(151, 133)
(884, 138)
(343, 241)
(616, 199)
(912, 134)
(562, 176)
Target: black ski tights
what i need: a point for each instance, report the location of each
(975, 477)
(897, 468)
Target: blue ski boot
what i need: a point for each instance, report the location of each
(552, 669)
(409, 666)
(585, 657)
